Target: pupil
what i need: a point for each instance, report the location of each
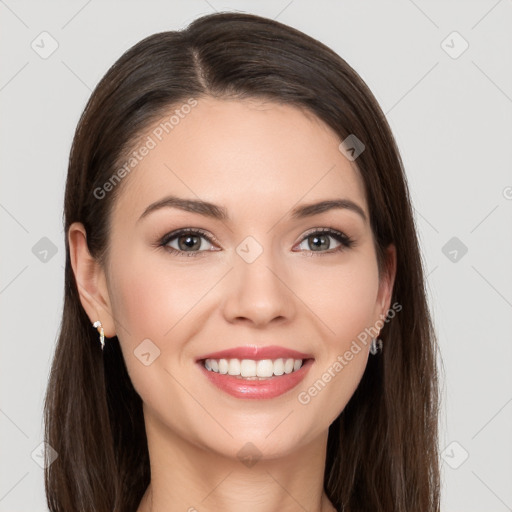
(189, 241)
(324, 245)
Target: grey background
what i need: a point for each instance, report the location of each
(452, 118)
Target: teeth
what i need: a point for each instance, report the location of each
(249, 368)
(234, 367)
(223, 366)
(279, 366)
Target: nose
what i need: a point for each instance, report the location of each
(258, 293)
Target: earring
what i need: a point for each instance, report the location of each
(375, 346)
(97, 324)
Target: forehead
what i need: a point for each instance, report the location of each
(248, 155)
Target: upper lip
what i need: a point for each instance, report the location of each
(256, 353)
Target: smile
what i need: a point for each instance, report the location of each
(241, 383)
(252, 369)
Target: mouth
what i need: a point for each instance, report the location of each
(254, 374)
(251, 369)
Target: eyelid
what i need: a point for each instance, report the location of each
(311, 231)
(173, 234)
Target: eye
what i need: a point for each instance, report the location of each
(319, 240)
(188, 242)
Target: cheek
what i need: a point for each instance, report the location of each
(150, 300)
(151, 295)
(344, 301)
(344, 298)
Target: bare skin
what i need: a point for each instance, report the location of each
(259, 161)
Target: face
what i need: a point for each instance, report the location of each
(262, 275)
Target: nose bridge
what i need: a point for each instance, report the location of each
(256, 288)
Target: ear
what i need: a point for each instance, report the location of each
(387, 280)
(90, 279)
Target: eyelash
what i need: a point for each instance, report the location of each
(345, 241)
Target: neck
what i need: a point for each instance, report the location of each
(188, 477)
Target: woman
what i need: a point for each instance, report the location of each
(245, 323)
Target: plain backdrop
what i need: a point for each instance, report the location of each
(441, 71)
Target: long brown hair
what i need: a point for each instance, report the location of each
(382, 452)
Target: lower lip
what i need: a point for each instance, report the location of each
(259, 389)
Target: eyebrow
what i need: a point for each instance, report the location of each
(220, 213)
